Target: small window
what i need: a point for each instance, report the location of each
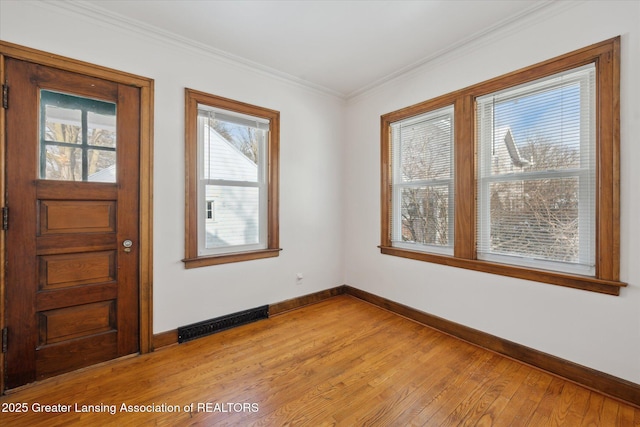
(232, 152)
(211, 210)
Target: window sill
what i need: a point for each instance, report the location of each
(571, 281)
(230, 257)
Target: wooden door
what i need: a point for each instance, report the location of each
(72, 241)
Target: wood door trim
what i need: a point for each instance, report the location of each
(146, 86)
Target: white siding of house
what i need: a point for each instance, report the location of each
(224, 161)
(236, 216)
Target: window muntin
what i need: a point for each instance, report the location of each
(536, 178)
(422, 189)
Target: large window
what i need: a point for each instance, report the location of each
(534, 181)
(232, 178)
(537, 173)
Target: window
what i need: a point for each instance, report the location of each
(211, 210)
(232, 181)
(77, 138)
(534, 181)
(422, 207)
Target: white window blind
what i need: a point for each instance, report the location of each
(232, 156)
(536, 177)
(422, 190)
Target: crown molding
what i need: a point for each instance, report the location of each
(536, 12)
(140, 28)
(122, 22)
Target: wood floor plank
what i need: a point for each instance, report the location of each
(488, 396)
(626, 415)
(472, 398)
(593, 414)
(339, 362)
(445, 400)
(508, 384)
(561, 413)
(610, 409)
(401, 401)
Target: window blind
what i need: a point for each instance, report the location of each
(233, 118)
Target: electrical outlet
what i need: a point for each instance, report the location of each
(299, 278)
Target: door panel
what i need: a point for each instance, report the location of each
(66, 216)
(64, 271)
(79, 321)
(72, 190)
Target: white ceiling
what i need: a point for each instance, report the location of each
(341, 47)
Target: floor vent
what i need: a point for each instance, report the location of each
(211, 326)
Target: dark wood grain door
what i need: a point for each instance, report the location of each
(72, 170)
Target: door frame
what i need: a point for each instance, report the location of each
(145, 289)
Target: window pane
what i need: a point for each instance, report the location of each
(425, 148)
(230, 151)
(538, 131)
(236, 216)
(536, 219)
(425, 215)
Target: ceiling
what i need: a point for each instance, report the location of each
(341, 47)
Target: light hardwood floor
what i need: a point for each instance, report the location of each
(339, 362)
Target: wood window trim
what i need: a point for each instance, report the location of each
(606, 57)
(192, 259)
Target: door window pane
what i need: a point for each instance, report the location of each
(63, 124)
(101, 129)
(77, 138)
(102, 166)
(63, 163)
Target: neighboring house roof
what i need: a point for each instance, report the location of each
(504, 136)
(105, 175)
(222, 160)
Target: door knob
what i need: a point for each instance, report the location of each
(127, 245)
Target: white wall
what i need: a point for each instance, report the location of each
(599, 331)
(310, 174)
(330, 182)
